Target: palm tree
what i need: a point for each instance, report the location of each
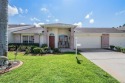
(3, 27)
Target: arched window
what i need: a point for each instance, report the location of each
(51, 34)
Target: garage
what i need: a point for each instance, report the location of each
(89, 41)
(117, 40)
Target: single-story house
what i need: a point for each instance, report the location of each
(59, 35)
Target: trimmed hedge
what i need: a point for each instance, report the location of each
(119, 49)
(26, 44)
(123, 50)
(112, 47)
(56, 50)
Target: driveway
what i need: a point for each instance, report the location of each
(110, 61)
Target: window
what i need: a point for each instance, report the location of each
(25, 39)
(31, 39)
(28, 39)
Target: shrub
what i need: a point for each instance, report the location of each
(119, 49)
(32, 47)
(123, 50)
(22, 48)
(26, 44)
(44, 45)
(112, 47)
(42, 51)
(28, 50)
(56, 50)
(12, 48)
(37, 50)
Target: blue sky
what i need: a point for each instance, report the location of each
(86, 13)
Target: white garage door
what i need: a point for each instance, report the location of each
(89, 41)
(117, 41)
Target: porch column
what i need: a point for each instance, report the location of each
(72, 39)
(46, 35)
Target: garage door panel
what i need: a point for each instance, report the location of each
(117, 41)
(89, 42)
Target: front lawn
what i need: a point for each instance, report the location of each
(57, 68)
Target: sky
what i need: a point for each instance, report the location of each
(84, 13)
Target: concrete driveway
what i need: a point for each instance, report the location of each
(110, 61)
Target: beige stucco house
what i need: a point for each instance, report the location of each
(59, 35)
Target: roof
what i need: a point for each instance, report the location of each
(59, 25)
(36, 30)
(16, 25)
(121, 28)
(98, 30)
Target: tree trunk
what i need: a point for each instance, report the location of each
(3, 27)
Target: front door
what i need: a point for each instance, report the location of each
(52, 41)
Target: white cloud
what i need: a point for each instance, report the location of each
(22, 23)
(23, 11)
(44, 9)
(79, 24)
(34, 19)
(88, 15)
(91, 21)
(26, 11)
(38, 24)
(120, 12)
(56, 20)
(12, 10)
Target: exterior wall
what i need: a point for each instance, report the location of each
(117, 40)
(17, 38)
(72, 38)
(10, 34)
(63, 31)
(36, 38)
(42, 40)
(55, 32)
(45, 36)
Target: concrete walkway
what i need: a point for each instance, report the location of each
(110, 61)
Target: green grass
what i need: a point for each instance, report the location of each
(57, 68)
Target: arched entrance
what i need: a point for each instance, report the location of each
(51, 40)
(63, 41)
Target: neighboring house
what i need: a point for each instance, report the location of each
(59, 35)
(15, 27)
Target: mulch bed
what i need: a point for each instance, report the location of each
(15, 64)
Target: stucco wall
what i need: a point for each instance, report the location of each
(36, 38)
(10, 34)
(17, 38)
(57, 32)
(117, 40)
